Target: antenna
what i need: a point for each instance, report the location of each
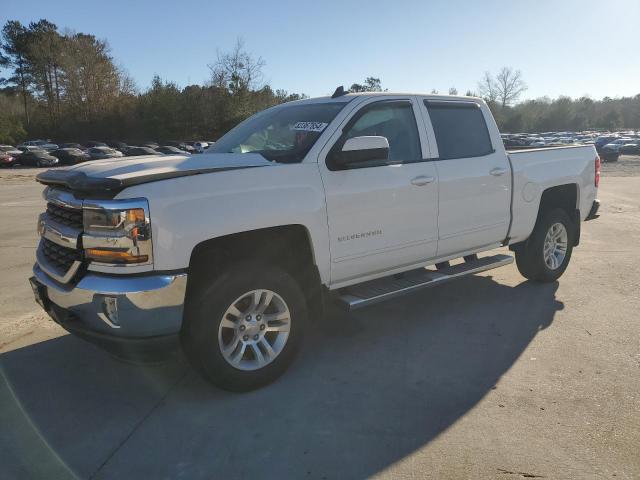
(339, 92)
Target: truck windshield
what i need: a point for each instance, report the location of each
(284, 134)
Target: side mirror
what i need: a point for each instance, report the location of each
(358, 150)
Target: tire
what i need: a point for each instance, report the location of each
(530, 256)
(203, 338)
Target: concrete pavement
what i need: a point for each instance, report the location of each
(487, 377)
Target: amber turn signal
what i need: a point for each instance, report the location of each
(110, 256)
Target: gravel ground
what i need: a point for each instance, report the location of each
(627, 166)
(487, 377)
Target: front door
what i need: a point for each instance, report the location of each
(382, 215)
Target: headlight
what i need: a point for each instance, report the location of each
(117, 232)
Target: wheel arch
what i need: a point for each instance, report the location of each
(289, 246)
(565, 197)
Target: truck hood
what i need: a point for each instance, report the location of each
(105, 178)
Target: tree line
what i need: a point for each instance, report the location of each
(66, 86)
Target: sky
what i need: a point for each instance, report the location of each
(562, 47)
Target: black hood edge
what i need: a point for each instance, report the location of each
(87, 186)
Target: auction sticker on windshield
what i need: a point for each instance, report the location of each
(309, 126)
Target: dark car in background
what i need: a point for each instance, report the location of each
(609, 155)
(70, 156)
(37, 158)
(169, 150)
(181, 145)
(121, 146)
(7, 160)
(71, 145)
(632, 148)
(604, 140)
(137, 151)
(93, 144)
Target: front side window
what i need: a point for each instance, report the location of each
(393, 120)
(284, 134)
(460, 130)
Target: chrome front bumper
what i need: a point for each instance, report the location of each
(117, 306)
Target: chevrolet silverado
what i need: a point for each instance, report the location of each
(353, 198)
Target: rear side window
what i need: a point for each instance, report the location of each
(460, 130)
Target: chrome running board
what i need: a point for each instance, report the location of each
(374, 291)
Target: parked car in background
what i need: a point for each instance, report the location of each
(609, 155)
(70, 156)
(93, 144)
(185, 146)
(7, 160)
(200, 146)
(28, 148)
(71, 145)
(137, 151)
(631, 148)
(10, 150)
(616, 145)
(153, 145)
(603, 140)
(169, 150)
(42, 144)
(98, 153)
(121, 146)
(37, 158)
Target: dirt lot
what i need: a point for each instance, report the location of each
(489, 377)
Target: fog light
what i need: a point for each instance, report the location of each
(109, 312)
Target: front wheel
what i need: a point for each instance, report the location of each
(243, 328)
(545, 255)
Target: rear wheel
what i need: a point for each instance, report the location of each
(243, 329)
(545, 255)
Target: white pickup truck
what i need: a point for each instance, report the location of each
(356, 198)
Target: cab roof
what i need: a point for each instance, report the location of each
(347, 97)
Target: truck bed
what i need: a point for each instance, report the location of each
(537, 169)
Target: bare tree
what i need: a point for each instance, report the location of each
(504, 89)
(488, 88)
(237, 71)
(453, 91)
(510, 85)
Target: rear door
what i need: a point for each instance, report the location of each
(474, 176)
(383, 215)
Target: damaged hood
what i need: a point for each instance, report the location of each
(110, 176)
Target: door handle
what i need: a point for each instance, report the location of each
(422, 180)
(496, 172)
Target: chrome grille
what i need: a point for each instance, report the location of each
(71, 217)
(60, 257)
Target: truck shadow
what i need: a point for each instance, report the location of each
(369, 389)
